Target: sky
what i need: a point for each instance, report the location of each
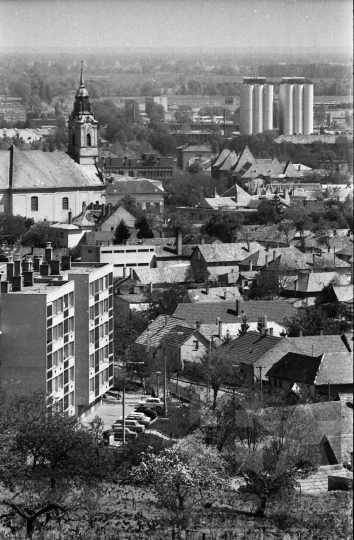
(123, 24)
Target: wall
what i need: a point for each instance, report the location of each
(142, 199)
(120, 256)
(50, 203)
(66, 238)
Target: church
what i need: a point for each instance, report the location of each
(46, 185)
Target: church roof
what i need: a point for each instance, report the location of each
(34, 169)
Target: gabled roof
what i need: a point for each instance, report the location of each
(246, 156)
(231, 252)
(215, 294)
(259, 257)
(159, 328)
(314, 281)
(296, 368)
(270, 233)
(344, 293)
(348, 250)
(251, 346)
(165, 274)
(221, 157)
(179, 335)
(336, 367)
(119, 214)
(318, 345)
(229, 162)
(275, 310)
(34, 169)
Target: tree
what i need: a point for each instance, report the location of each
(144, 224)
(266, 287)
(244, 326)
(166, 298)
(47, 460)
(215, 366)
(12, 228)
(223, 226)
(300, 216)
(122, 233)
(37, 235)
(285, 227)
(127, 329)
(180, 474)
(267, 213)
(130, 204)
(311, 321)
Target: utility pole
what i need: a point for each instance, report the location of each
(164, 381)
(260, 379)
(329, 389)
(124, 397)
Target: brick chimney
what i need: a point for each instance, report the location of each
(54, 267)
(274, 255)
(84, 208)
(197, 325)
(125, 272)
(179, 242)
(37, 261)
(28, 278)
(44, 269)
(250, 266)
(66, 262)
(10, 270)
(48, 252)
(220, 329)
(266, 261)
(271, 332)
(18, 265)
(237, 307)
(17, 283)
(70, 217)
(4, 287)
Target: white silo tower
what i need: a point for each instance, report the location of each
(298, 109)
(308, 109)
(267, 107)
(246, 109)
(258, 108)
(288, 109)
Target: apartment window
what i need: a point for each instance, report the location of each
(92, 313)
(101, 331)
(105, 353)
(92, 289)
(57, 306)
(58, 357)
(71, 324)
(92, 384)
(92, 360)
(103, 378)
(195, 345)
(106, 282)
(92, 336)
(68, 350)
(49, 387)
(106, 328)
(71, 299)
(58, 383)
(71, 374)
(105, 305)
(34, 204)
(58, 331)
(65, 203)
(49, 361)
(71, 399)
(66, 301)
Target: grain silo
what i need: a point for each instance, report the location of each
(298, 109)
(308, 109)
(267, 107)
(246, 109)
(258, 108)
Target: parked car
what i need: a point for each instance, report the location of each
(140, 417)
(148, 412)
(129, 434)
(131, 424)
(152, 403)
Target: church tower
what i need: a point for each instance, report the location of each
(82, 144)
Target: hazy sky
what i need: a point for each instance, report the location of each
(325, 24)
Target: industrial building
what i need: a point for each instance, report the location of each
(296, 106)
(256, 106)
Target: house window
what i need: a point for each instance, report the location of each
(195, 345)
(88, 138)
(275, 382)
(65, 203)
(73, 140)
(34, 204)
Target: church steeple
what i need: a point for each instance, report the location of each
(82, 144)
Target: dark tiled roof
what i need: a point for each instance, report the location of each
(315, 281)
(159, 328)
(178, 335)
(316, 345)
(297, 368)
(165, 274)
(275, 310)
(250, 347)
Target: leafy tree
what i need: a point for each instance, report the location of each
(215, 367)
(122, 233)
(166, 298)
(12, 228)
(267, 213)
(223, 226)
(244, 326)
(311, 321)
(37, 235)
(144, 224)
(266, 287)
(47, 460)
(285, 227)
(127, 329)
(130, 204)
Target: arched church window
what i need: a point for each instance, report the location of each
(34, 204)
(65, 203)
(73, 139)
(88, 139)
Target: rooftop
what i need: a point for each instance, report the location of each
(231, 252)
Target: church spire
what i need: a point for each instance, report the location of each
(82, 83)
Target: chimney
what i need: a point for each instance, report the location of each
(70, 217)
(150, 287)
(4, 287)
(201, 240)
(274, 255)
(267, 246)
(334, 257)
(321, 332)
(348, 233)
(10, 270)
(28, 278)
(66, 262)
(37, 261)
(265, 323)
(44, 269)
(314, 259)
(32, 250)
(220, 329)
(54, 267)
(17, 283)
(237, 307)
(271, 333)
(296, 285)
(18, 265)
(179, 242)
(84, 207)
(346, 343)
(266, 261)
(125, 272)
(131, 273)
(48, 252)
(250, 265)
(266, 331)
(301, 333)
(197, 325)
(26, 266)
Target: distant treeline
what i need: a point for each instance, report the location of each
(311, 71)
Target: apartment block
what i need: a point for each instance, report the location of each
(56, 322)
(37, 341)
(94, 331)
(123, 258)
